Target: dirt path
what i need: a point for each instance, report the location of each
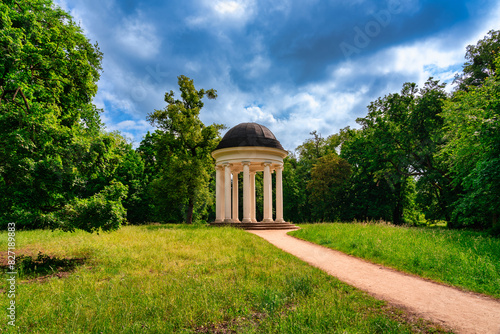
(460, 311)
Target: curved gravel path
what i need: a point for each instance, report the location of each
(460, 311)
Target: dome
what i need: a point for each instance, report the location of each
(249, 134)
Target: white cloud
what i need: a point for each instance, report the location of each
(413, 59)
(193, 66)
(133, 130)
(257, 66)
(301, 101)
(141, 125)
(256, 114)
(228, 7)
(138, 36)
(223, 14)
(233, 9)
(283, 6)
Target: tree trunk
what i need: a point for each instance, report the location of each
(397, 214)
(189, 212)
(397, 211)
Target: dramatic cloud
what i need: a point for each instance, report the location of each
(294, 66)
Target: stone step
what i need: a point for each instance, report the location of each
(291, 227)
(268, 226)
(259, 226)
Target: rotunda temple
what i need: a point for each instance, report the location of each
(249, 148)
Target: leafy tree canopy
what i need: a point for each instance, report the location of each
(480, 62)
(184, 145)
(472, 151)
(54, 157)
(328, 187)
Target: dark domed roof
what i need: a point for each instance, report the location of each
(249, 134)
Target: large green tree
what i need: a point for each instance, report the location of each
(400, 136)
(184, 147)
(472, 120)
(54, 157)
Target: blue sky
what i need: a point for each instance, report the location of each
(293, 66)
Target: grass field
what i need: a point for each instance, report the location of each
(465, 259)
(181, 279)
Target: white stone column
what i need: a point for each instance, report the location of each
(235, 197)
(252, 198)
(268, 194)
(227, 193)
(246, 192)
(279, 195)
(219, 194)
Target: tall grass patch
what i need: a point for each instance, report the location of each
(466, 259)
(170, 279)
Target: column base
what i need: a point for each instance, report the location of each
(268, 220)
(236, 221)
(254, 220)
(228, 221)
(218, 221)
(246, 221)
(280, 221)
(268, 226)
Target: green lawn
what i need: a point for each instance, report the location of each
(178, 279)
(465, 259)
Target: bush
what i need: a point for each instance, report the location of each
(102, 211)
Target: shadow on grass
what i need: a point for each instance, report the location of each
(43, 265)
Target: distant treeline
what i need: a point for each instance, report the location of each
(420, 156)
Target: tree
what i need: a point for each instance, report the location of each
(143, 205)
(297, 174)
(370, 196)
(472, 152)
(328, 187)
(294, 191)
(405, 131)
(132, 172)
(480, 62)
(55, 161)
(184, 148)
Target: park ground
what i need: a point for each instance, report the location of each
(195, 279)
